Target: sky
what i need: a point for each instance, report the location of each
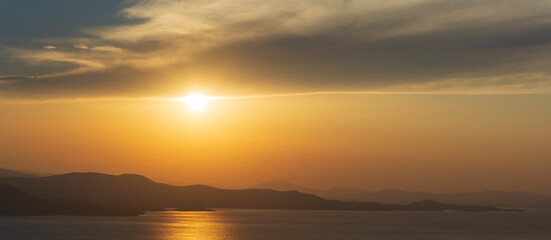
(420, 95)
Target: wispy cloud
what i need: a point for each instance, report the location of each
(80, 46)
(49, 47)
(14, 78)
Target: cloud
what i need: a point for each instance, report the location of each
(80, 46)
(314, 45)
(14, 78)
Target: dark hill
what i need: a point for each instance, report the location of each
(17, 202)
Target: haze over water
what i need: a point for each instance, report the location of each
(282, 224)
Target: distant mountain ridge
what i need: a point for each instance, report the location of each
(135, 190)
(12, 173)
(517, 199)
(281, 185)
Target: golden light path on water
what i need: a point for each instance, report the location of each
(195, 226)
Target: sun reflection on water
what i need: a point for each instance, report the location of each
(195, 226)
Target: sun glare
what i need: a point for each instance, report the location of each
(196, 102)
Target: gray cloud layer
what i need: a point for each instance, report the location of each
(151, 47)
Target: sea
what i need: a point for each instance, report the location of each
(285, 224)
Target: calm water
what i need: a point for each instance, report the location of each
(271, 224)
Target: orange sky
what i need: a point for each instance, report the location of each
(440, 143)
(421, 95)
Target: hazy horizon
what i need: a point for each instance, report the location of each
(252, 185)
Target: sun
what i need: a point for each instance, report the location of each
(196, 102)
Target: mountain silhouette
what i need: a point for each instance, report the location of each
(136, 190)
(12, 173)
(281, 185)
(517, 199)
(17, 202)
